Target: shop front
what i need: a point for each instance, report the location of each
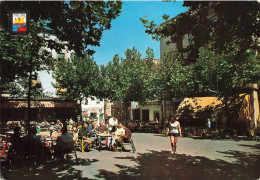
(49, 109)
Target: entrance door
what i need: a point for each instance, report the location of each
(145, 115)
(136, 114)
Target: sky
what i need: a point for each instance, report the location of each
(127, 30)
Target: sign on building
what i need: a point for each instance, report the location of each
(19, 22)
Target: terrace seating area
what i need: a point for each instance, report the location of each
(41, 145)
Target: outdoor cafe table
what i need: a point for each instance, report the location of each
(50, 142)
(106, 136)
(10, 133)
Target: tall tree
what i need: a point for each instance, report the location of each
(81, 24)
(79, 76)
(21, 56)
(217, 23)
(130, 79)
(78, 24)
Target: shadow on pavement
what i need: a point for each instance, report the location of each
(257, 146)
(163, 165)
(54, 169)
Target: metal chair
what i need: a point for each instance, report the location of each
(129, 142)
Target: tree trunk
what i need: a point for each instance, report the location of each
(162, 111)
(226, 112)
(81, 119)
(29, 90)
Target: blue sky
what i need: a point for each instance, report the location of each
(127, 30)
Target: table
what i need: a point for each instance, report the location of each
(99, 139)
(51, 141)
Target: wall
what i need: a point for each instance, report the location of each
(151, 109)
(93, 107)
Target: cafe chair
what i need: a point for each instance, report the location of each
(3, 145)
(126, 141)
(71, 151)
(65, 149)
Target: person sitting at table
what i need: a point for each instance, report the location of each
(120, 132)
(16, 140)
(100, 130)
(57, 127)
(98, 122)
(76, 131)
(112, 124)
(64, 143)
(83, 134)
(125, 138)
(32, 144)
(91, 129)
(45, 122)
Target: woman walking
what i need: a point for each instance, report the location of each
(174, 130)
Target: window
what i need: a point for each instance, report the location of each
(98, 101)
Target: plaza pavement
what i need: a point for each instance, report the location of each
(195, 159)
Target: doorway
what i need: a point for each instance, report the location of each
(145, 115)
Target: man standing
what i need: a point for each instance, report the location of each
(83, 134)
(113, 122)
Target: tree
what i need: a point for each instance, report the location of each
(17, 52)
(79, 76)
(218, 23)
(110, 74)
(129, 79)
(76, 25)
(80, 24)
(215, 75)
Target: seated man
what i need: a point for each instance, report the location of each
(57, 127)
(16, 140)
(119, 133)
(100, 130)
(64, 143)
(84, 134)
(127, 135)
(33, 145)
(91, 130)
(45, 122)
(76, 131)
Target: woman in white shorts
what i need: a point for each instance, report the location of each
(174, 130)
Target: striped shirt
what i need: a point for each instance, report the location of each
(56, 127)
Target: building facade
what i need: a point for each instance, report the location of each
(93, 107)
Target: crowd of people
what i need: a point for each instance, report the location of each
(87, 132)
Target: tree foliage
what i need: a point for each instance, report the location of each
(131, 78)
(81, 24)
(211, 74)
(79, 76)
(75, 25)
(20, 55)
(217, 23)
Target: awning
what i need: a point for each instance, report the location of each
(191, 106)
(205, 106)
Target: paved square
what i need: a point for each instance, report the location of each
(195, 159)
